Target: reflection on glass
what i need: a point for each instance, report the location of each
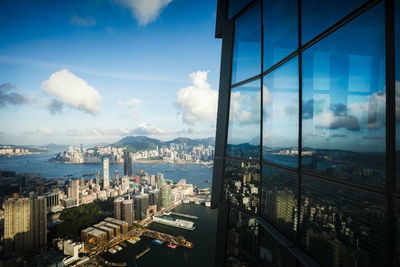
(234, 6)
(341, 226)
(243, 232)
(344, 101)
(317, 15)
(247, 45)
(280, 30)
(281, 115)
(272, 253)
(279, 199)
(242, 182)
(244, 121)
(397, 68)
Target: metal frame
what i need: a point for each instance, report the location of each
(389, 192)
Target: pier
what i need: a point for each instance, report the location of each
(142, 253)
(179, 240)
(184, 215)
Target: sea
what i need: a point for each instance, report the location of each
(203, 237)
(197, 174)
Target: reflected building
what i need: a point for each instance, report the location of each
(127, 164)
(304, 166)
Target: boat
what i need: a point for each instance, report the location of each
(170, 245)
(167, 213)
(157, 242)
(187, 225)
(118, 248)
(112, 251)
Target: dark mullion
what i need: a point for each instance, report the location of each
(300, 144)
(248, 6)
(357, 12)
(390, 135)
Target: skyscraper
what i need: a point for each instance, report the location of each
(106, 173)
(97, 177)
(117, 208)
(116, 177)
(141, 205)
(25, 223)
(75, 190)
(305, 157)
(127, 164)
(128, 211)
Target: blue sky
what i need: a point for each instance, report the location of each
(76, 72)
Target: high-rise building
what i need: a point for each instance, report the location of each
(128, 211)
(165, 193)
(106, 172)
(116, 177)
(25, 223)
(141, 205)
(127, 164)
(75, 191)
(117, 208)
(97, 177)
(305, 158)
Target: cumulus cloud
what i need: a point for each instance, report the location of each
(8, 97)
(145, 11)
(197, 102)
(84, 22)
(73, 91)
(147, 129)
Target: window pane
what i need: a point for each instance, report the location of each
(341, 226)
(244, 121)
(280, 30)
(279, 199)
(243, 231)
(317, 15)
(344, 102)
(235, 6)
(247, 45)
(281, 115)
(242, 182)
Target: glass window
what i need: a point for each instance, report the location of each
(242, 236)
(344, 102)
(244, 121)
(281, 115)
(235, 6)
(280, 30)
(318, 16)
(279, 199)
(241, 185)
(247, 45)
(341, 226)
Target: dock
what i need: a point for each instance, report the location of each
(185, 215)
(142, 253)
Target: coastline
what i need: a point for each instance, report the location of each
(141, 161)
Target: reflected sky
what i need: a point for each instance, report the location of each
(344, 87)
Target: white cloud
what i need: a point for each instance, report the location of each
(134, 102)
(73, 91)
(147, 129)
(45, 131)
(145, 11)
(84, 22)
(197, 102)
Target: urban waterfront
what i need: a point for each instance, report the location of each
(196, 174)
(203, 238)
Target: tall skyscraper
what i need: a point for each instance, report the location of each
(97, 177)
(316, 185)
(106, 173)
(75, 190)
(128, 211)
(127, 164)
(117, 208)
(116, 177)
(25, 223)
(141, 205)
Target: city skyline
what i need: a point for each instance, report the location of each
(83, 73)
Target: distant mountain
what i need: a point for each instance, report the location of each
(137, 143)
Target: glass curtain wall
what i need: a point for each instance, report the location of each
(306, 150)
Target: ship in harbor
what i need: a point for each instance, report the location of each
(187, 225)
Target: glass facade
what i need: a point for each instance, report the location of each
(309, 170)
